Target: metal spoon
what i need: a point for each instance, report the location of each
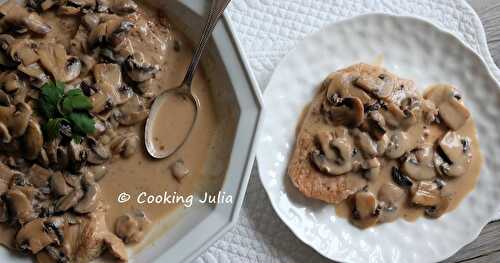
(184, 90)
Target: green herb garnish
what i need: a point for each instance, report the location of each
(66, 114)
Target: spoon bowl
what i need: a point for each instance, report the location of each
(180, 95)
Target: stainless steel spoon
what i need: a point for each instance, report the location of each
(184, 90)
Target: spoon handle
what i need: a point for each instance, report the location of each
(216, 10)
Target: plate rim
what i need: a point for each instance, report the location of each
(489, 74)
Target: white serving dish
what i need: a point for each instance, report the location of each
(189, 231)
(414, 49)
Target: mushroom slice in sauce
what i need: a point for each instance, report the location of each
(451, 109)
(419, 164)
(138, 69)
(23, 51)
(36, 74)
(341, 85)
(336, 155)
(20, 205)
(380, 86)
(454, 155)
(90, 199)
(20, 20)
(33, 140)
(348, 111)
(132, 227)
(132, 112)
(365, 143)
(98, 153)
(366, 211)
(54, 58)
(16, 118)
(126, 145)
(110, 84)
(34, 236)
(390, 197)
(6, 175)
(399, 144)
(179, 170)
(112, 31)
(426, 193)
(58, 184)
(70, 200)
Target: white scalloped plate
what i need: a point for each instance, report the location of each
(414, 49)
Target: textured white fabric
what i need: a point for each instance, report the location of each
(267, 30)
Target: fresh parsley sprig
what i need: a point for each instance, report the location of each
(66, 114)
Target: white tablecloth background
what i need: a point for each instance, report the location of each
(267, 29)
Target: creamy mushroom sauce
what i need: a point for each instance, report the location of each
(59, 198)
(373, 146)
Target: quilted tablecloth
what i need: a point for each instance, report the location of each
(267, 30)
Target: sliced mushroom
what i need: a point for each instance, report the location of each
(397, 118)
(132, 112)
(33, 140)
(399, 144)
(341, 85)
(37, 76)
(451, 109)
(365, 143)
(131, 228)
(11, 81)
(419, 164)
(55, 59)
(126, 145)
(109, 81)
(20, 20)
(91, 20)
(390, 197)
(366, 211)
(139, 70)
(380, 86)
(371, 168)
(116, 247)
(426, 193)
(454, 155)
(99, 172)
(16, 118)
(123, 7)
(77, 155)
(39, 176)
(374, 124)
(58, 184)
(68, 201)
(34, 236)
(347, 111)
(399, 178)
(336, 155)
(98, 153)
(20, 206)
(112, 32)
(5, 134)
(179, 170)
(6, 175)
(88, 62)
(23, 51)
(90, 199)
(73, 7)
